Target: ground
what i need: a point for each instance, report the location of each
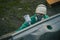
(12, 12)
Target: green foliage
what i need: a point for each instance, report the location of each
(12, 12)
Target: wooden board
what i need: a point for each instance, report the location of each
(52, 1)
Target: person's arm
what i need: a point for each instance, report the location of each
(33, 19)
(46, 16)
(24, 25)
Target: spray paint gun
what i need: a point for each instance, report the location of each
(27, 19)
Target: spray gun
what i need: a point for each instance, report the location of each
(27, 19)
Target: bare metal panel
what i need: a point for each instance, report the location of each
(35, 31)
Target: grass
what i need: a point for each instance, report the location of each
(12, 12)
